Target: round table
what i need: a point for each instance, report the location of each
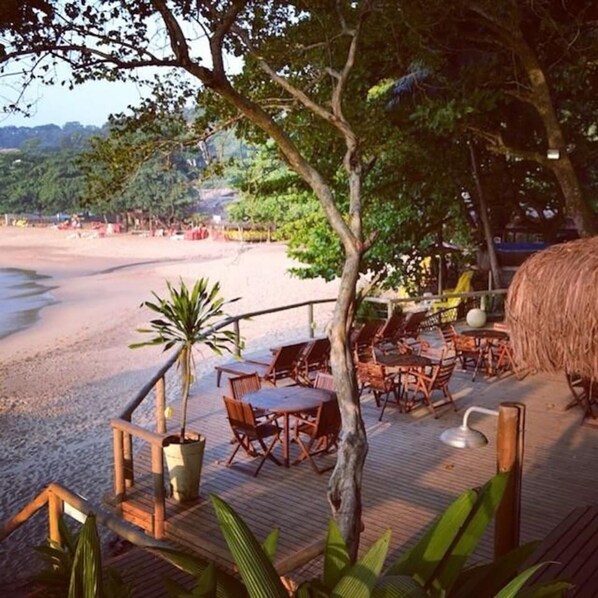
(488, 335)
(286, 401)
(402, 363)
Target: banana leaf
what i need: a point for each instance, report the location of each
(361, 578)
(260, 578)
(86, 576)
(336, 556)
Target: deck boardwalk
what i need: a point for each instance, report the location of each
(410, 476)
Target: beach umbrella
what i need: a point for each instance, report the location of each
(552, 309)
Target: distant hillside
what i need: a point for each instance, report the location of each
(46, 137)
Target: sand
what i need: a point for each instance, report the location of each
(62, 379)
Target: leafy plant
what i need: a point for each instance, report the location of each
(74, 569)
(186, 318)
(434, 567)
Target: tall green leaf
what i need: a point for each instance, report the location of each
(359, 580)
(336, 556)
(257, 572)
(489, 578)
(86, 576)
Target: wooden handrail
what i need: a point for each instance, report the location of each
(75, 506)
(30, 509)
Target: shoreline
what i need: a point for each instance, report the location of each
(62, 379)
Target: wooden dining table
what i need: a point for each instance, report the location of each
(402, 363)
(286, 401)
(484, 338)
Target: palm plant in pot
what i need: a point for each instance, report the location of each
(186, 317)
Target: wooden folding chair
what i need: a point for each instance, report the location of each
(466, 349)
(315, 358)
(379, 381)
(422, 384)
(322, 433)
(247, 430)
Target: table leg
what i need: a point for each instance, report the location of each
(285, 444)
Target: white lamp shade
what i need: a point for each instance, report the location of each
(476, 318)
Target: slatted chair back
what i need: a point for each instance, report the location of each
(240, 415)
(366, 335)
(380, 382)
(315, 358)
(443, 372)
(392, 329)
(284, 362)
(322, 433)
(324, 381)
(244, 384)
(413, 322)
(448, 334)
(328, 421)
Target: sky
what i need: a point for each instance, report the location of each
(89, 104)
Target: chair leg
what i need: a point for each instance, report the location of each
(267, 453)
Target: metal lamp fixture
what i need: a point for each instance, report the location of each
(464, 436)
(509, 452)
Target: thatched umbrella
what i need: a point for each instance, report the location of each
(552, 309)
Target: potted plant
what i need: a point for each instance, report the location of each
(186, 318)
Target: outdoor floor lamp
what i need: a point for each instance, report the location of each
(509, 453)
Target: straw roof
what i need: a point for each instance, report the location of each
(552, 309)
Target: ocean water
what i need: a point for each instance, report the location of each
(22, 294)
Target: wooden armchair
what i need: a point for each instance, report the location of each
(247, 430)
(467, 350)
(282, 365)
(419, 384)
(321, 433)
(379, 381)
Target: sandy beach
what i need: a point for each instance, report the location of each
(62, 379)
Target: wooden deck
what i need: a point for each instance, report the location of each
(410, 476)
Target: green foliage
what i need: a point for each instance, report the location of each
(435, 567)
(186, 318)
(74, 568)
(40, 182)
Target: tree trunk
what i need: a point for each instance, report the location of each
(577, 208)
(488, 236)
(344, 487)
(540, 97)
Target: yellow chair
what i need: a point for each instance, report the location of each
(463, 286)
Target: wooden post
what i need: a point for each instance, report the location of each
(310, 319)
(509, 451)
(119, 466)
(54, 513)
(128, 460)
(161, 406)
(159, 494)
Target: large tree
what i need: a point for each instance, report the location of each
(301, 69)
(518, 76)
